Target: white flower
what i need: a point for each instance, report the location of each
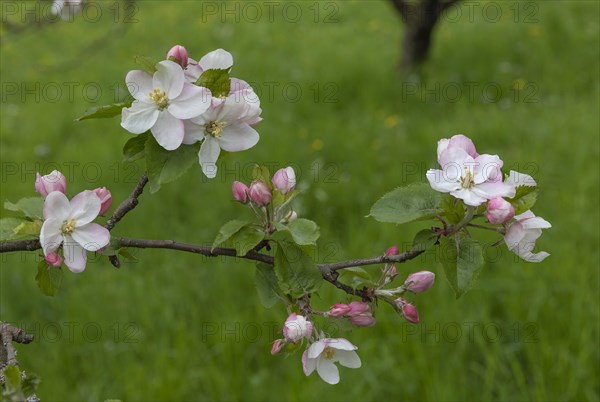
(521, 235)
(297, 327)
(70, 224)
(474, 180)
(322, 355)
(162, 102)
(225, 126)
(216, 60)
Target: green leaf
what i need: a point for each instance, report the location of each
(296, 271)
(166, 166)
(262, 173)
(7, 227)
(48, 278)
(423, 239)
(27, 229)
(462, 264)
(407, 204)
(356, 277)
(129, 257)
(454, 208)
(246, 239)
(134, 148)
(228, 230)
(31, 207)
(12, 378)
(216, 80)
(266, 284)
(103, 112)
(524, 199)
(147, 63)
(304, 232)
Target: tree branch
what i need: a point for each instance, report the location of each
(10, 334)
(128, 204)
(328, 271)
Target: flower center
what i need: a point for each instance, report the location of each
(68, 227)
(160, 98)
(329, 353)
(467, 181)
(214, 128)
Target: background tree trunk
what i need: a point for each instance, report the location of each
(420, 18)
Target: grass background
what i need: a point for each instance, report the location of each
(183, 327)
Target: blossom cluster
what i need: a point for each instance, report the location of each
(477, 179)
(68, 225)
(174, 106)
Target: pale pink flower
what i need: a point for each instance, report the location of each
(297, 327)
(55, 181)
(499, 211)
(323, 354)
(284, 180)
(522, 234)
(419, 281)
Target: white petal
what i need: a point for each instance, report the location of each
(532, 257)
(316, 349)
(469, 197)
(491, 190)
(217, 59)
(340, 344)
(169, 77)
(536, 223)
(348, 358)
(75, 255)
(238, 138)
(520, 179)
(514, 234)
(454, 155)
(50, 235)
(328, 371)
(168, 131)
(85, 207)
(192, 102)
(208, 155)
(139, 118)
(56, 206)
(139, 84)
(439, 183)
(193, 71)
(525, 215)
(91, 237)
(487, 167)
(192, 132)
(308, 365)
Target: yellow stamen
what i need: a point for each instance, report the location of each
(329, 353)
(160, 98)
(467, 181)
(214, 128)
(68, 227)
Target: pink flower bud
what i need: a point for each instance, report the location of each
(357, 308)
(410, 313)
(240, 192)
(277, 347)
(392, 251)
(419, 281)
(284, 180)
(392, 272)
(362, 320)
(105, 199)
(339, 310)
(178, 53)
(260, 193)
(499, 211)
(297, 327)
(52, 258)
(54, 181)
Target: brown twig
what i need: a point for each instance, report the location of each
(128, 204)
(10, 334)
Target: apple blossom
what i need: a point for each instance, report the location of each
(55, 181)
(393, 250)
(521, 235)
(224, 126)
(53, 259)
(70, 224)
(240, 192)
(357, 307)
(284, 180)
(216, 60)
(162, 102)
(456, 141)
(409, 312)
(338, 310)
(419, 281)
(499, 211)
(260, 193)
(297, 327)
(390, 269)
(105, 199)
(278, 346)
(473, 180)
(520, 179)
(179, 55)
(323, 354)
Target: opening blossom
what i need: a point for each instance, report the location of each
(323, 354)
(70, 224)
(55, 181)
(162, 102)
(474, 179)
(284, 180)
(216, 60)
(521, 235)
(297, 327)
(225, 126)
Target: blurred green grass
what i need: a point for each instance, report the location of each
(183, 327)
